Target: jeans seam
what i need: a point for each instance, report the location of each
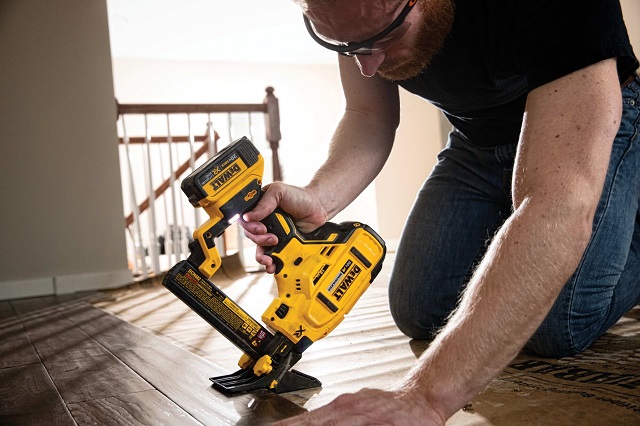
(636, 121)
(595, 230)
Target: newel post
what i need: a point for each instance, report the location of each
(272, 124)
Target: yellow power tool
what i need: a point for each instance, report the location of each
(319, 275)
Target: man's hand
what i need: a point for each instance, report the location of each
(301, 203)
(371, 407)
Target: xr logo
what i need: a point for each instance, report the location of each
(250, 195)
(298, 333)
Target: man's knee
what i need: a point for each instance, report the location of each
(414, 320)
(551, 349)
(557, 342)
(420, 309)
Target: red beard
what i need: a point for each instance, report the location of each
(432, 30)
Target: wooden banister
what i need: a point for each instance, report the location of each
(188, 109)
(163, 139)
(269, 107)
(272, 125)
(176, 175)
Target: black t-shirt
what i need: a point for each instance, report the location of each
(500, 50)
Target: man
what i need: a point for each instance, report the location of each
(527, 231)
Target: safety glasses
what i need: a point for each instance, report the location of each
(378, 42)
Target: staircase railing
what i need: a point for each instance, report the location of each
(165, 149)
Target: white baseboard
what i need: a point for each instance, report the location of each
(26, 288)
(64, 284)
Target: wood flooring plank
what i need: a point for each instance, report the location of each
(184, 379)
(54, 336)
(56, 339)
(29, 397)
(81, 368)
(6, 311)
(31, 306)
(15, 347)
(94, 377)
(142, 408)
(132, 303)
(113, 333)
(180, 375)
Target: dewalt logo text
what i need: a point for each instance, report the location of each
(346, 282)
(225, 176)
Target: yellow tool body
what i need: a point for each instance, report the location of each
(225, 188)
(319, 275)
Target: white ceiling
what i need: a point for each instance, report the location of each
(212, 30)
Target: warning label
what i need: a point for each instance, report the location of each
(219, 305)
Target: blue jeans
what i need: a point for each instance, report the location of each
(466, 199)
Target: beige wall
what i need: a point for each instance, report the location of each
(631, 12)
(418, 141)
(310, 98)
(61, 210)
(311, 103)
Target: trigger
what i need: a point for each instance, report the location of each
(278, 264)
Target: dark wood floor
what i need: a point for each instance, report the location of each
(139, 356)
(66, 362)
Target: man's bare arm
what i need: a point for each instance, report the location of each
(359, 148)
(561, 165)
(566, 140)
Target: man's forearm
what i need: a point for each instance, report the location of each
(510, 294)
(556, 188)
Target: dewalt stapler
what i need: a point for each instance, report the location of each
(319, 275)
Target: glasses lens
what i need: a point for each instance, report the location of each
(359, 52)
(392, 37)
(382, 44)
(395, 30)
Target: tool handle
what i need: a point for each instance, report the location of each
(281, 224)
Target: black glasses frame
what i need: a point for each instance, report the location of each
(365, 47)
